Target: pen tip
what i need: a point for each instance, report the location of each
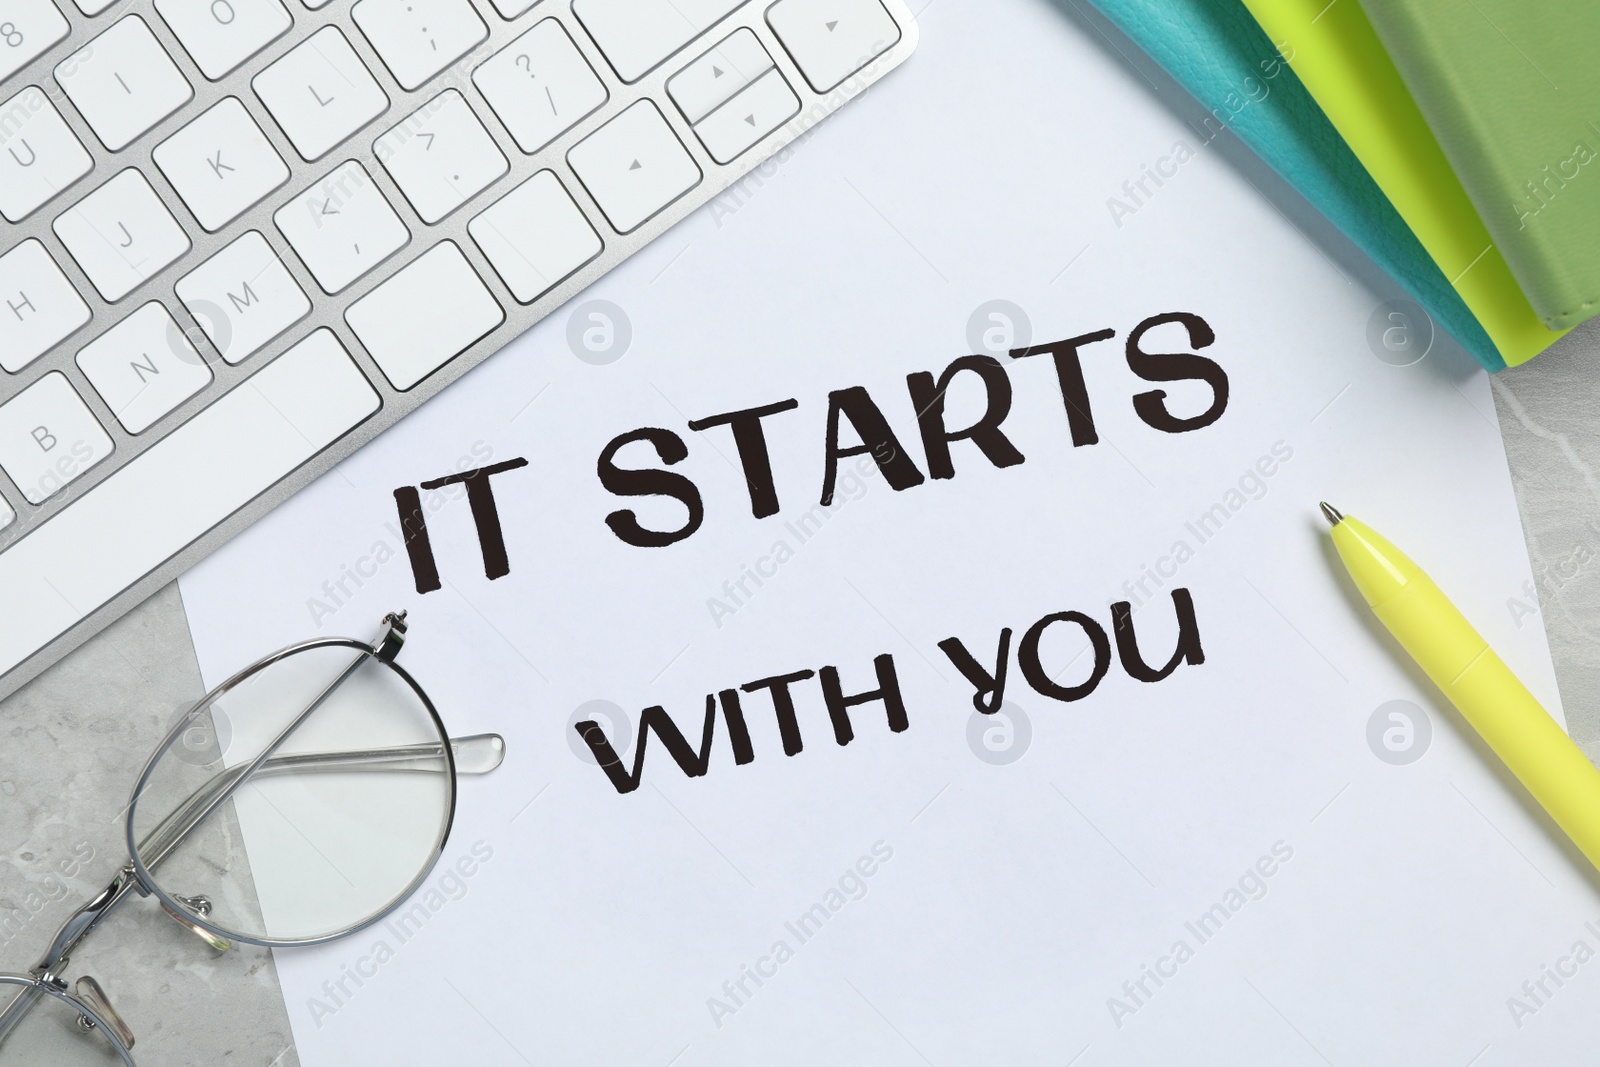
(1330, 513)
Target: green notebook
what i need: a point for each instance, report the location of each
(1511, 89)
(1336, 53)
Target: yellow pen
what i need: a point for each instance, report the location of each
(1477, 681)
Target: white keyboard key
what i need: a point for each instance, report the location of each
(143, 367)
(221, 164)
(342, 227)
(416, 39)
(123, 82)
(535, 237)
(243, 297)
(39, 308)
(510, 9)
(540, 86)
(440, 156)
(734, 127)
(176, 490)
(635, 35)
(27, 29)
(42, 155)
(7, 516)
(48, 437)
(714, 78)
(320, 93)
(634, 166)
(432, 310)
(121, 235)
(830, 40)
(221, 34)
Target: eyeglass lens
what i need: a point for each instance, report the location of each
(334, 826)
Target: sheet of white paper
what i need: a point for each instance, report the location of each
(1232, 864)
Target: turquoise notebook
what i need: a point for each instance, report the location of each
(1217, 51)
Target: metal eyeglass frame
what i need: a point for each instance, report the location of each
(481, 753)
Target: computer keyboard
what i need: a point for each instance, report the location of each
(242, 237)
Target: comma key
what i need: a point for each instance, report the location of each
(342, 227)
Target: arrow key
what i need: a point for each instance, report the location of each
(832, 39)
(711, 80)
(736, 126)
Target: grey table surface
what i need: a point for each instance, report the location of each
(77, 735)
(76, 738)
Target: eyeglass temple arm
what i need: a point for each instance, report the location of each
(475, 754)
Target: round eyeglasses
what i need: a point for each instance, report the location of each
(329, 762)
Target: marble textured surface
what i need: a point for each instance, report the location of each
(75, 740)
(1550, 418)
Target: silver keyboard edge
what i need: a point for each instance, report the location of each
(329, 311)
